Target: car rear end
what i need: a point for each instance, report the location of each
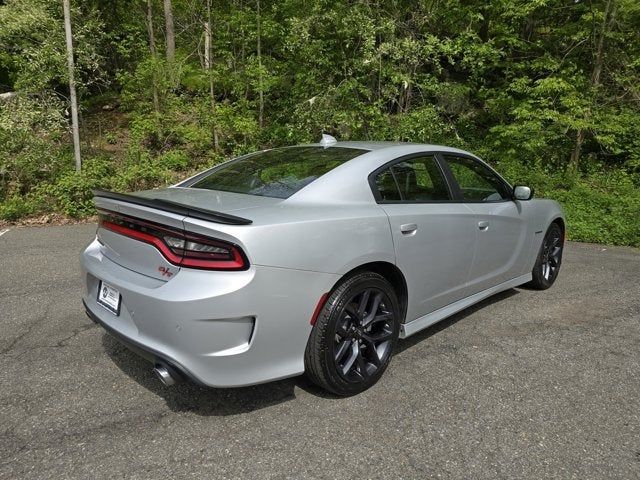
(217, 278)
(183, 293)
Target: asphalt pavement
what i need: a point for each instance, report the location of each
(526, 384)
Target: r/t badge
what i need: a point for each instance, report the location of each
(165, 272)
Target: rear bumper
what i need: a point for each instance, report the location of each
(220, 329)
(142, 350)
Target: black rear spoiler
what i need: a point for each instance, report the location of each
(174, 207)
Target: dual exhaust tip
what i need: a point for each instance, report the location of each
(166, 375)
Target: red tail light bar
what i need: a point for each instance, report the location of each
(181, 248)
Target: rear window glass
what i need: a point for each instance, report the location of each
(276, 173)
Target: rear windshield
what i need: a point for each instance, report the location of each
(276, 173)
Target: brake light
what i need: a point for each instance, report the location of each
(181, 248)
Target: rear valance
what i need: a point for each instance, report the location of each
(174, 207)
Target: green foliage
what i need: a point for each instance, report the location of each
(602, 206)
(71, 192)
(602, 209)
(32, 148)
(14, 208)
(32, 44)
(110, 138)
(524, 84)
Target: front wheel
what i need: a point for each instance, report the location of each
(547, 266)
(354, 336)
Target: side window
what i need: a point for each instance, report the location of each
(415, 180)
(477, 182)
(387, 186)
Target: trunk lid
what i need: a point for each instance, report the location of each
(177, 206)
(133, 254)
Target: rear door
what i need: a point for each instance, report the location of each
(499, 221)
(434, 236)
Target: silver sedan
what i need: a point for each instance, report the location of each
(314, 258)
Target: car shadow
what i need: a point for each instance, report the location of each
(404, 344)
(205, 401)
(188, 397)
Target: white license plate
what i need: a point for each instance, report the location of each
(109, 298)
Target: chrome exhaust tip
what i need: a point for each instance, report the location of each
(164, 375)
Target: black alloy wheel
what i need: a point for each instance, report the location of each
(354, 336)
(547, 266)
(363, 335)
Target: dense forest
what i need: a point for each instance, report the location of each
(547, 91)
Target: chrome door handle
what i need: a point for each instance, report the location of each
(408, 228)
(484, 226)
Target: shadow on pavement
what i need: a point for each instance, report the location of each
(447, 322)
(187, 397)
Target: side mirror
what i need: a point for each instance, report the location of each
(521, 192)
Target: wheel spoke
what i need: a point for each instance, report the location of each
(374, 309)
(375, 338)
(362, 366)
(342, 330)
(372, 353)
(382, 317)
(355, 351)
(553, 253)
(364, 301)
(343, 347)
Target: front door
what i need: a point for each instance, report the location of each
(500, 227)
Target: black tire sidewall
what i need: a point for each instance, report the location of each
(538, 280)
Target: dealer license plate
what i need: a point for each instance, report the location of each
(109, 298)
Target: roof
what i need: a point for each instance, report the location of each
(362, 145)
(377, 146)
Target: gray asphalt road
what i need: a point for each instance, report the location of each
(525, 385)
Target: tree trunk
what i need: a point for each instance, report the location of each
(484, 26)
(72, 85)
(152, 49)
(259, 50)
(207, 44)
(607, 25)
(208, 62)
(169, 31)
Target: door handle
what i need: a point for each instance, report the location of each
(484, 226)
(408, 228)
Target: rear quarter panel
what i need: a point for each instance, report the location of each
(322, 238)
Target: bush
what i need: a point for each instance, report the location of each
(602, 206)
(32, 130)
(14, 208)
(142, 176)
(71, 194)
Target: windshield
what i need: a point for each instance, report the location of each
(276, 173)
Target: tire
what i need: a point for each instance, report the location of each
(549, 259)
(349, 347)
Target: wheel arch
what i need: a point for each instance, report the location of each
(389, 272)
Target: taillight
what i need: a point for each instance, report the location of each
(181, 248)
